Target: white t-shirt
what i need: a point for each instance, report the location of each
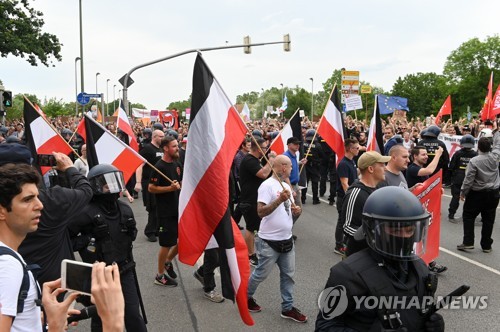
(278, 225)
(11, 277)
(82, 166)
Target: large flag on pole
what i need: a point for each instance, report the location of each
(215, 132)
(41, 137)
(375, 136)
(495, 107)
(284, 104)
(123, 124)
(291, 129)
(245, 113)
(105, 148)
(444, 110)
(486, 112)
(331, 125)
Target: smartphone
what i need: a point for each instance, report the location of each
(76, 276)
(47, 160)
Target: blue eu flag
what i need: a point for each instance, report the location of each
(388, 104)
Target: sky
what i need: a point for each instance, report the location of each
(383, 39)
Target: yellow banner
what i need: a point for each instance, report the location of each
(366, 89)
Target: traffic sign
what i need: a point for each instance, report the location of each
(82, 98)
(349, 84)
(130, 81)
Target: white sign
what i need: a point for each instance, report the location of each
(452, 143)
(302, 113)
(353, 103)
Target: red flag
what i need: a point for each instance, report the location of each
(375, 136)
(291, 129)
(41, 137)
(80, 130)
(444, 110)
(169, 119)
(495, 107)
(105, 148)
(123, 124)
(429, 195)
(486, 112)
(216, 131)
(331, 125)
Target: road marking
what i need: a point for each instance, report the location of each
(486, 267)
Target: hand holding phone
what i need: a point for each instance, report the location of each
(76, 276)
(47, 160)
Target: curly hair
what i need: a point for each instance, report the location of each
(12, 178)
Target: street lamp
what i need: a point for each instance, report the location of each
(81, 48)
(312, 97)
(96, 102)
(107, 96)
(76, 86)
(114, 107)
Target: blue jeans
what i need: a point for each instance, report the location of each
(286, 264)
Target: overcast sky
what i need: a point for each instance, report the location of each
(382, 39)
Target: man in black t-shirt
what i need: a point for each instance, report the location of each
(152, 153)
(252, 174)
(167, 208)
(416, 172)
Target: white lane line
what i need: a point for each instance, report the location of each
(481, 265)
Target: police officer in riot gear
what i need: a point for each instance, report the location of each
(328, 172)
(314, 159)
(458, 164)
(431, 143)
(395, 226)
(147, 133)
(104, 231)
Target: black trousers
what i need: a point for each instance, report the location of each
(133, 319)
(339, 229)
(484, 202)
(455, 199)
(210, 263)
(152, 225)
(312, 174)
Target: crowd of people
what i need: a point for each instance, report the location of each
(83, 212)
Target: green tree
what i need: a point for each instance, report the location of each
(21, 34)
(468, 70)
(426, 92)
(16, 111)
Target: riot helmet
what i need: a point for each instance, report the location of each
(310, 133)
(486, 132)
(256, 133)
(173, 133)
(158, 126)
(395, 224)
(432, 131)
(147, 133)
(467, 141)
(274, 134)
(66, 134)
(106, 179)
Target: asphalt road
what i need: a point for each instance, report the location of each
(184, 308)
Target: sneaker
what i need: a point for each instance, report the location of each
(199, 277)
(294, 314)
(339, 250)
(316, 202)
(151, 238)
(214, 296)
(437, 268)
(165, 280)
(254, 261)
(331, 202)
(464, 247)
(169, 268)
(487, 250)
(253, 306)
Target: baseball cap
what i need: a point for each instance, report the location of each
(15, 153)
(371, 157)
(466, 127)
(292, 140)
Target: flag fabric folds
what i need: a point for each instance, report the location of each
(331, 126)
(444, 110)
(215, 133)
(41, 137)
(388, 104)
(291, 129)
(123, 124)
(284, 104)
(486, 112)
(105, 148)
(375, 135)
(245, 113)
(495, 104)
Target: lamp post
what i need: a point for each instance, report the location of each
(81, 49)
(312, 97)
(107, 96)
(114, 107)
(263, 102)
(96, 102)
(76, 86)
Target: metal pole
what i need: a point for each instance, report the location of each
(107, 96)
(81, 49)
(76, 86)
(312, 98)
(114, 98)
(96, 91)
(102, 106)
(125, 81)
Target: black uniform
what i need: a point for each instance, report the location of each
(367, 273)
(431, 144)
(50, 244)
(152, 154)
(314, 159)
(328, 170)
(458, 164)
(112, 224)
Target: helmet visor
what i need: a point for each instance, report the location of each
(399, 240)
(108, 183)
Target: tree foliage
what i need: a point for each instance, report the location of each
(21, 34)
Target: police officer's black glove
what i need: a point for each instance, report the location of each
(435, 323)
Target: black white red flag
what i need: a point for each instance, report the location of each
(123, 124)
(291, 129)
(375, 136)
(215, 133)
(41, 137)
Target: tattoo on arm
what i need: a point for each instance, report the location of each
(265, 210)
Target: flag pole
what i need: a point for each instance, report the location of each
(54, 129)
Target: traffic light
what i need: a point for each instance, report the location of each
(246, 41)
(7, 98)
(286, 45)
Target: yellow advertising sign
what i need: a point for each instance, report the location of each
(366, 89)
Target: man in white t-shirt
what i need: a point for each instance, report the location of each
(19, 215)
(275, 244)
